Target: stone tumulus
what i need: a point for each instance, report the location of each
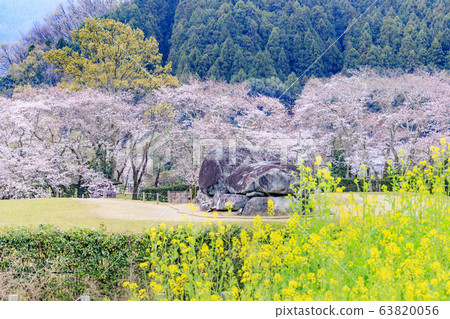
(246, 178)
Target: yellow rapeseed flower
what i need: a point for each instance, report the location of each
(143, 265)
(318, 160)
(270, 208)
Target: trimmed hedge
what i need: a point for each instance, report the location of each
(80, 256)
(150, 192)
(348, 183)
(71, 263)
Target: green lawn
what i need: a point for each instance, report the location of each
(116, 215)
(62, 212)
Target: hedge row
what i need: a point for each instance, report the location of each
(348, 184)
(150, 192)
(103, 259)
(70, 263)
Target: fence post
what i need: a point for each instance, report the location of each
(104, 194)
(85, 298)
(82, 196)
(143, 197)
(157, 198)
(13, 298)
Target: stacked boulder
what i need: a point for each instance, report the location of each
(246, 177)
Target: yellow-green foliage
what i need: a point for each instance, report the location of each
(396, 248)
(30, 70)
(111, 56)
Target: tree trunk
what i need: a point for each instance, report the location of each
(79, 192)
(139, 170)
(135, 191)
(157, 176)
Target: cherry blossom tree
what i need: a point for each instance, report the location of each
(220, 113)
(53, 139)
(33, 161)
(370, 117)
(152, 122)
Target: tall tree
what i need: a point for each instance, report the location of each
(263, 66)
(438, 57)
(274, 44)
(112, 56)
(406, 53)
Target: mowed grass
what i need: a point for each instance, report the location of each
(66, 213)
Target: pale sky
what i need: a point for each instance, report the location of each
(18, 16)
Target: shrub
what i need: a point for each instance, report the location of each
(150, 192)
(63, 265)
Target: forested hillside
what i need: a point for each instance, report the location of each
(154, 17)
(267, 43)
(235, 40)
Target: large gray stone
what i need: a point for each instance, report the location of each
(259, 206)
(201, 197)
(264, 177)
(205, 206)
(237, 201)
(220, 162)
(255, 194)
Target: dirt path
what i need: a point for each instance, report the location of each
(128, 210)
(127, 215)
